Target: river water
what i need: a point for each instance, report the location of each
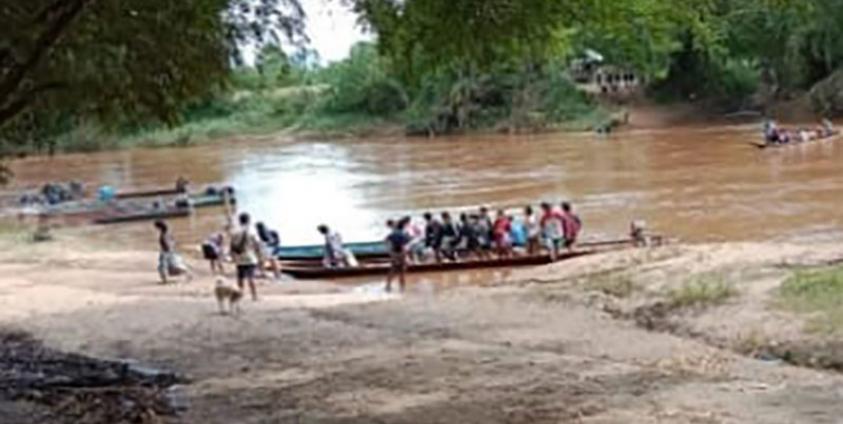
(695, 183)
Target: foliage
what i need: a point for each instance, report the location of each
(361, 84)
(818, 293)
(115, 60)
(703, 290)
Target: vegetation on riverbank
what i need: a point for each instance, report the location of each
(81, 79)
(819, 294)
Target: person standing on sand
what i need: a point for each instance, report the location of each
(212, 252)
(245, 253)
(398, 242)
(169, 263)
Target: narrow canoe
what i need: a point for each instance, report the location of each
(375, 265)
(304, 272)
(142, 215)
(157, 192)
(834, 137)
(377, 249)
(360, 250)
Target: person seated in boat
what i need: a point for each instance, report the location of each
(450, 237)
(771, 132)
(433, 235)
(335, 253)
(469, 239)
(552, 229)
(517, 232)
(531, 223)
(398, 245)
(182, 184)
(416, 233)
(485, 228)
(637, 233)
(804, 135)
(501, 233)
(828, 128)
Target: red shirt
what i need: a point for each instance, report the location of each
(502, 227)
(571, 226)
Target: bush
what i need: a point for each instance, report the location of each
(703, 290)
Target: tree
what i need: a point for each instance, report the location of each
(127, 59)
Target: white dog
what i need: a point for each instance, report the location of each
(227, 293)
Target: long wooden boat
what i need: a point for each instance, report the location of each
(155, 192)
(142, 215)
(833, 137)
(375, 265)
(377, 249)
(382, 267)
(317, 251)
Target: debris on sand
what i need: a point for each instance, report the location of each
(78, 389)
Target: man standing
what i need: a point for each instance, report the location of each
(397, 242)
(433, 235)
(552, 229)
(571, 225)
(245, 252)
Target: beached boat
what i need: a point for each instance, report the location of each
(377, 249)
(141, 215)
(305, 272)
(317, 251)
(155, 192)
(378, 265)
(833, 137)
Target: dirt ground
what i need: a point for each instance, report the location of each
(544, 345)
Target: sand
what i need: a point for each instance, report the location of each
(538, 345)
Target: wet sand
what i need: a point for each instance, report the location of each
(533, 346)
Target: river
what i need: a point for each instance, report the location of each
(694, 183)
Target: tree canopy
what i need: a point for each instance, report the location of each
(128, 59)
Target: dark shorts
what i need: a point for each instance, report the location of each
(398, 261)
(210, 253)
(245, 272)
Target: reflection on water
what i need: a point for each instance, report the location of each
(698, 184)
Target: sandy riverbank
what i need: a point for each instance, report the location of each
(584, 341)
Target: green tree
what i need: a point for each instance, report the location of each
(127, 59)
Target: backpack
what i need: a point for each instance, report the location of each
(238, 247)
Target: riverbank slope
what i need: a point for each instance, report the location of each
(610, 339)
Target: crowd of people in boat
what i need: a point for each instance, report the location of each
(774, 135)
(53, 194)
(468, 235)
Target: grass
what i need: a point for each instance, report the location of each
(819, 293)
(616, 285)
(702, 291)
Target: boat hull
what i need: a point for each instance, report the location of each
(382, 268)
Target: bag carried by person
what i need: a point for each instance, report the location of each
(238, 246)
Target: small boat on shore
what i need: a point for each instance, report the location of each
(317, 251)
(142, 215)
(377, 249)
(317, 271)
(155, 192)
(312, 268)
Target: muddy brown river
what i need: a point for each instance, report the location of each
(698, 184)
